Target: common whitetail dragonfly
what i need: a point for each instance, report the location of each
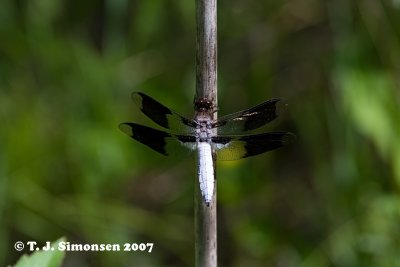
(209, 137)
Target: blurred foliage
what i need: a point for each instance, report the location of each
(44, 258)
(67, 69)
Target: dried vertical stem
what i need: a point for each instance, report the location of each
(206, 88)
(206, 57)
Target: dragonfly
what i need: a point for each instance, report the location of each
(228, 138)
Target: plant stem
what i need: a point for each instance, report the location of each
(206, 88)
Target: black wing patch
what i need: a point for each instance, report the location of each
(250, 119)
(150, 137)
(162, 115)
(162, 142)
(237, 147)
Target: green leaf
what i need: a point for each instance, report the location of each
(43, 258)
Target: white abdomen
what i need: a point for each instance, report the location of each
(205, 171)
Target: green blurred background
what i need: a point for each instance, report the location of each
(67, 69)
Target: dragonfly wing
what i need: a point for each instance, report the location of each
(237, 147)
(252, 118)
(162, 115)
(160, 141)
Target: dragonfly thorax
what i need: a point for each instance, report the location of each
(203, 131)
